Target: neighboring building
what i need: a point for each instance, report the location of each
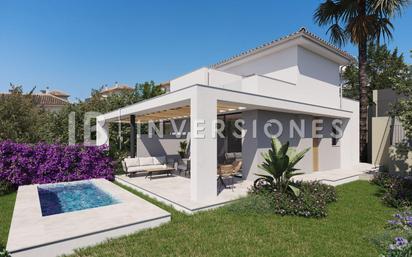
(115, 89)
(389, 142)
(165, 86)
(59, 94)
(53, 100)
(293, 78)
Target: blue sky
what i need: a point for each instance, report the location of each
(77, 45)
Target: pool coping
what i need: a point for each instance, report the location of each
(32, 234)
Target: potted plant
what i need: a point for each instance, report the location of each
(183, 149)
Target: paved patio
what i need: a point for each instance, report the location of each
(175, 190)
(337, 177)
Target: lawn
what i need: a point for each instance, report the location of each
(6, 212)
(353, 219)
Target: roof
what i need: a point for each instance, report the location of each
(45, 99)
(116, 88)
(48, 99)
(301, 32)
(58, 93)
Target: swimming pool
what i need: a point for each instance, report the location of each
(69, 197)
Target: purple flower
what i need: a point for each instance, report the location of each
(400, 241)
(22, 164)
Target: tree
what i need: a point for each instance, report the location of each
(384, 69)
(360, 22)
(148, 90)
(403, 108)
(57, 124)
(20, 118)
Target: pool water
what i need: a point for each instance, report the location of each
(69, 197)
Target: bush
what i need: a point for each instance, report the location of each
(23, 164)
(4, 252)
(311, 202)
(6, 188)
(397, 190)
(397, 238)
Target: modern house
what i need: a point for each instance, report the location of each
(390, 145)
(294, 80)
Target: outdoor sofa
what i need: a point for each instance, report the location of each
(148, 165)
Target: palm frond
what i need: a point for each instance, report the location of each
(326, 13)
(384, 29)
(297, 157)
(390, 7)
(337, 34)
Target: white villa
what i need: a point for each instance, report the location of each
(293, 79)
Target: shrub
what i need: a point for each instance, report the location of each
(397, 190)
(311, 202)
(22, 164)
(397, 238)
(4, 252)
(279, 165)
(6, 188)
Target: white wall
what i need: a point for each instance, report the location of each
(316, 70)
(199, 76)
(292, 73)
(349, 142)
(298, 74)
(252, 148)
(280, 64)
(209, 77)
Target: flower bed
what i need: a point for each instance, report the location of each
(23, 164)
(396, 190)
(311, 202)
(396, 241)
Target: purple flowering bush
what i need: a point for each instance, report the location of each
(400, 247)
(397, 239)
(402, 220)
(23, 164)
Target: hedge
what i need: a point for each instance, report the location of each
(23, 164)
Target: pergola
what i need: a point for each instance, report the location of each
(202, 104)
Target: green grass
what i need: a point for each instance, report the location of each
(6, 212)
(357, 216)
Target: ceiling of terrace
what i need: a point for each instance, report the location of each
(180, 113)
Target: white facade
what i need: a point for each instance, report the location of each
(295, 77)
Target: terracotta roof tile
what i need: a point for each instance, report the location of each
(44, 99)
(300, 32)
(48, 99)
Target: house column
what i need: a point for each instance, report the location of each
(102, 132)
(203, 146)
(251, 154)
(132, 151)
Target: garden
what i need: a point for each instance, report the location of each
(279, 217)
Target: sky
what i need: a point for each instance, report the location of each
(78, 45)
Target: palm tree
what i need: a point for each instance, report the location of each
(360, 22)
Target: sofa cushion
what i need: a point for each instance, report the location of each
(131, 162)
(144, 161)
(136, 169)
(155, 167)
(159, 160)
